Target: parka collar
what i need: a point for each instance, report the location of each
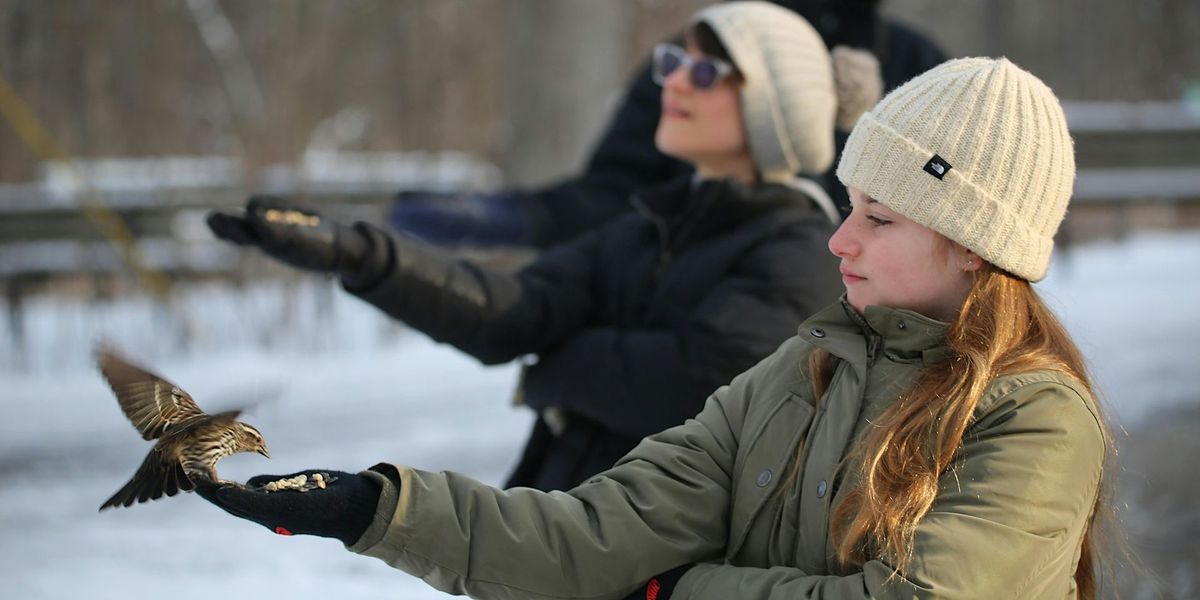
(860, 339)
(904, 332)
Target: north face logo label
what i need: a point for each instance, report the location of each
(937, 166)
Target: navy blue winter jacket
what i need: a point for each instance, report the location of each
(633, 324)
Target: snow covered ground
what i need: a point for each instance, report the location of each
(337, 386)
(365, 392)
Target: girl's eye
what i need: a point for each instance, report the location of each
(878, 222)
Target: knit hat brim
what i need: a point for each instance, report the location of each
(975, 149)
(879, 161)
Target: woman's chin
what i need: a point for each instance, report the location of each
(671, 147)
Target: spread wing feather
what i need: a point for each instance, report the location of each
(153, 404)
(146, 484)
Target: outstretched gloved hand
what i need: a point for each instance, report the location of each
(293, 233)
(342, 509)
(460, 219)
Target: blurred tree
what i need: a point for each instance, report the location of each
(522, 83)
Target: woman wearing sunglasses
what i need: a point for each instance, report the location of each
(634, 324)
(624, 157)
(933, 434)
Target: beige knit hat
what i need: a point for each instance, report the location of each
(789, 98)
(976, 149)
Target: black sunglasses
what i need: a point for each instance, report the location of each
(705, 72)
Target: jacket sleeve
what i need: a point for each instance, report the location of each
(1007, 523)
(665, 504)
(625, 159)
(492, 315)
(640, 381)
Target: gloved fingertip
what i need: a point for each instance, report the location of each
(257, 206)
(218, 216)
(230, 227)
(260, 480)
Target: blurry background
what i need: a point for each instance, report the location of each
(124, 122)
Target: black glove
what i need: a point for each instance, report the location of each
(294, 234)
(661, 587)
(343, 509)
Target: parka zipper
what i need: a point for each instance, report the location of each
(664, 252)
(873, 348)
(664, 259)
(691, 221)
(666, 241)
(664, 237)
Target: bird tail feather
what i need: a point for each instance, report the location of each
(151, 481)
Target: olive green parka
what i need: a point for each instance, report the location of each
(714, 492)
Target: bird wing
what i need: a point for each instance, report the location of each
(151, 403)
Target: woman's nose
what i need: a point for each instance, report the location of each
(679, 79)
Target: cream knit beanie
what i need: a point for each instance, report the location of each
(789, 98)
(976, 149)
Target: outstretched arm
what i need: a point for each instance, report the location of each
(666, 504)
(490, 314)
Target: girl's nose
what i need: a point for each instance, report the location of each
(843, 243)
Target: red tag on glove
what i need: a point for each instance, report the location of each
(652, 589)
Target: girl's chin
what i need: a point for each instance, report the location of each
(858, 305)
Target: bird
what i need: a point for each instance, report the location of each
(190, 441)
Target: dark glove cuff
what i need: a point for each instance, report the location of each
(360, 511)
(352, 249)
(376, 260)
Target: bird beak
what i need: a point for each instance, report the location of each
(263, 451)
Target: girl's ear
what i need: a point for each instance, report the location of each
(971, 262)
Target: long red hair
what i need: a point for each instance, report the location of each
(1003, 327)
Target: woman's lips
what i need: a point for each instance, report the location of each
(848, 278)
(674, 112)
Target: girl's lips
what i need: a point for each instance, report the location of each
(848, 277)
